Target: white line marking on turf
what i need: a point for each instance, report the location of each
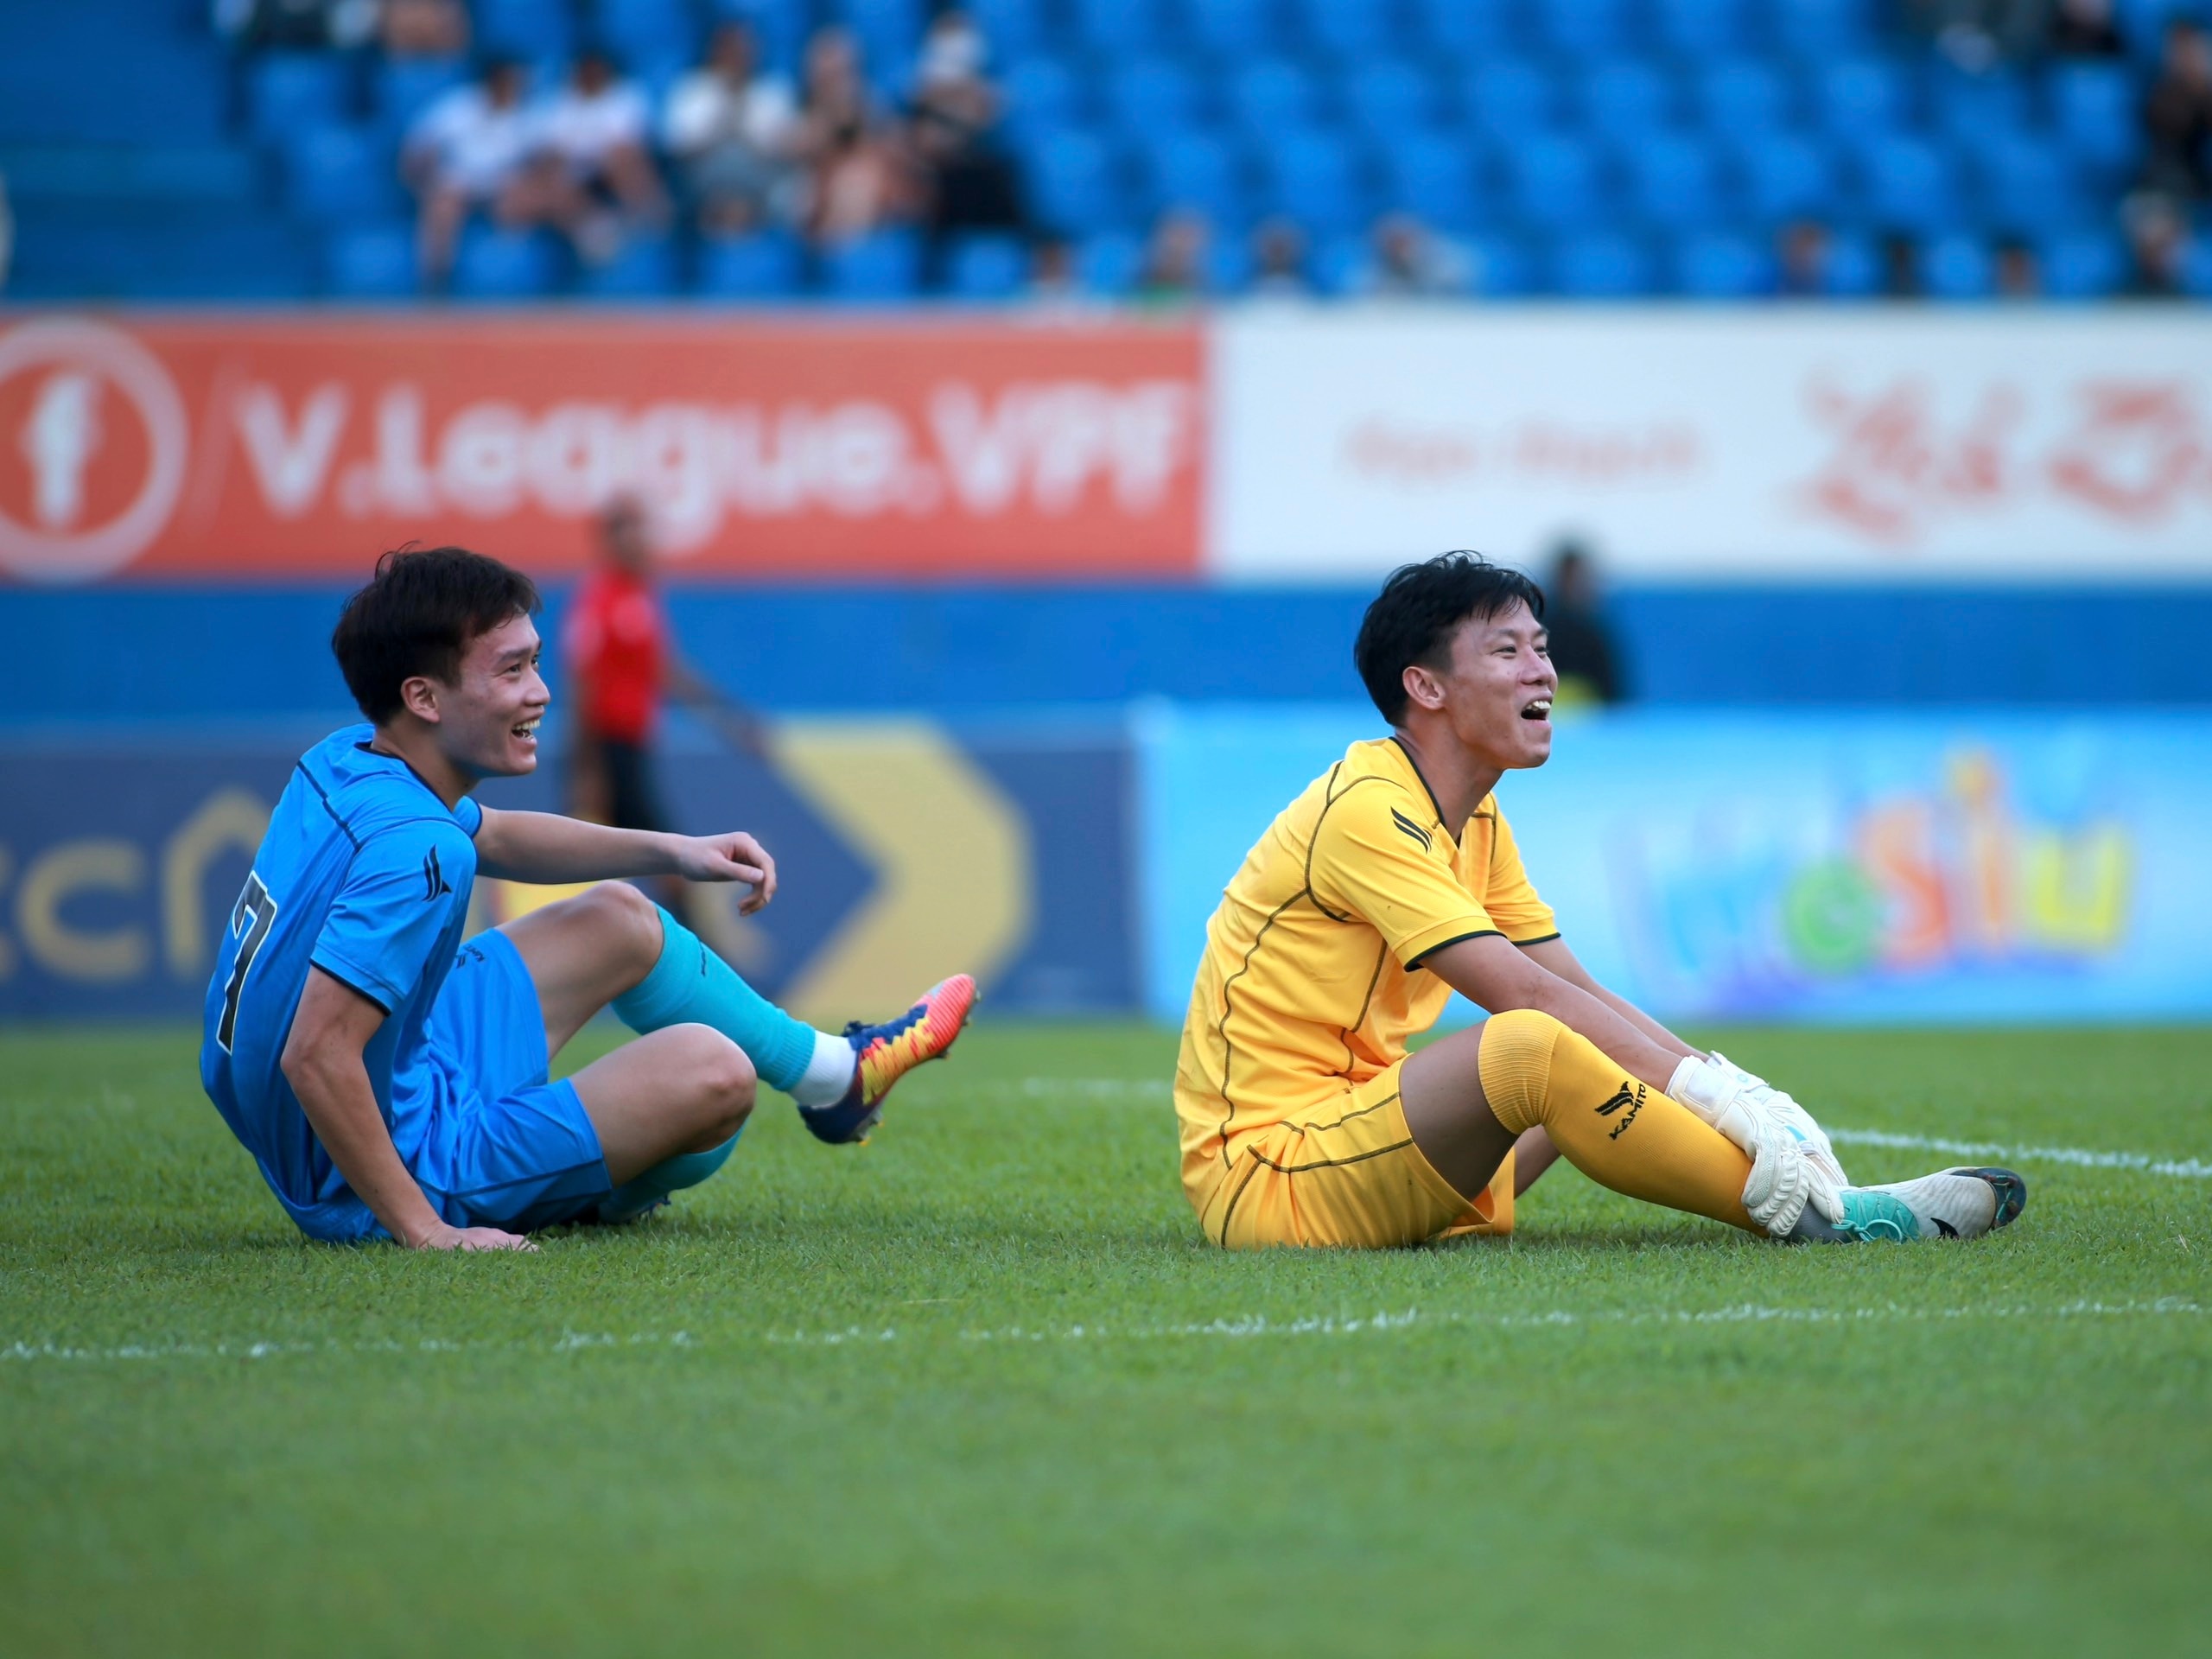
(2187, 1169)
(1252, 1326)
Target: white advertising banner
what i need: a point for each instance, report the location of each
(1845, 443)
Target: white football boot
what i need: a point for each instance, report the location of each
(1961, 1203)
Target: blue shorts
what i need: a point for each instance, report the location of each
(514, 1152)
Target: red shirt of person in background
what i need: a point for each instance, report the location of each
(614, 641)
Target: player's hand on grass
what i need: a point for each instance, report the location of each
(443, 1237)
(733, 857)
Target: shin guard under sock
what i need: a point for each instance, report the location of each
(1620, 1133)
(690, 985)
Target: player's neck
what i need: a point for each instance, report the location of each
(418, 748)
(1457, 779)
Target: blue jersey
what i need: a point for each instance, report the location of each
(366, 875)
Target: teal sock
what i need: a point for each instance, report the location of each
(690, 985)
(641, 1193)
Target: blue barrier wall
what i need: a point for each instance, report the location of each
(1976, 865)
(132, 653)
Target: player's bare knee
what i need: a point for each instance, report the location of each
(726, 1083)
(629, 922)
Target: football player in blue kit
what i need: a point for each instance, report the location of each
(390, 1079)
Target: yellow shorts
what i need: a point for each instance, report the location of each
(1345, 1173)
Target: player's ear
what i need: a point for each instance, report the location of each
(418, 695)
(1422, 685)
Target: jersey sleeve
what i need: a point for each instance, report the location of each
(388, 917)
(1379, 854)
(1511, 900)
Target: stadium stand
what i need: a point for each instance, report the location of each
(1585, 148)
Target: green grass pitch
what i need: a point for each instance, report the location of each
(980, 1388)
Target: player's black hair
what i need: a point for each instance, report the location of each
(418, 615)
(1413, 618)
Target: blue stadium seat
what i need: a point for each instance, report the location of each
(1957, 266)
(1040, 93)
(337, 174)
(1673, 183)
(1855, 269)
(889, 32)
(287, 92)
(1910, 184)
(1072, 183)
(1012, 26)
(1785, 175)
(882, 268)
(1602, 265)
(1626, 98)
(537, 31)
(1315, 182)
(373, 261)
(1151, 95)
(767, 266)
(1508, 99)
(496, 264)
(1235, 28)
(2030, 186)
(1348, 29)
(1503, 266)
(1467, 28)
(2095, 111)
(1695, 29)
(2084, 265)
(1555, 181)
(1815, 29)
(1586, 28)
(1859, 99)
(1111, 264)
(1196, 170)
(405, 87)
(1434, 177)
(1122, 26)
(1722, 266)
(1737, 98)
(1390, 99)
(1228, 265)
(1338, 265)
(643, 267)
(647, 36)
(1271, 96)
(988, 266)
(2196, 269)
(1973, 111)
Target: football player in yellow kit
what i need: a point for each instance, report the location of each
(1394, 879)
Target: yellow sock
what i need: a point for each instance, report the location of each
(1620, 1133)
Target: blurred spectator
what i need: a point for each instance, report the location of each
(2084, 28)
(2177, 113)
(731, 127)
(1175, 264)
(860, 175)
(1974, 34)
(1407, 260)
(298, 25)
(1900, 267)
(1279, 262)
(424, 28)
(1802, 254)
(477, 150)
(1054, 287)
(2018, 275)
(1581, 642)
(2158, 242)
(971, 184)
(598, 126)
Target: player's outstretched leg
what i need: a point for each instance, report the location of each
(1467, 1097)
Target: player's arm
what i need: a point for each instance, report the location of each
(1497, 974)
(544, 847)
(1554, 958)
(322, 1062)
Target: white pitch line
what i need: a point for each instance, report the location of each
(2187, 1169)
(1254, 1325)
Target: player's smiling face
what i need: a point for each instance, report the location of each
(488, 723)
(1497, 689)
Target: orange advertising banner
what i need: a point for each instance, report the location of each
(786, 447)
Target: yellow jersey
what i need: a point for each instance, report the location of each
(1312, 982)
